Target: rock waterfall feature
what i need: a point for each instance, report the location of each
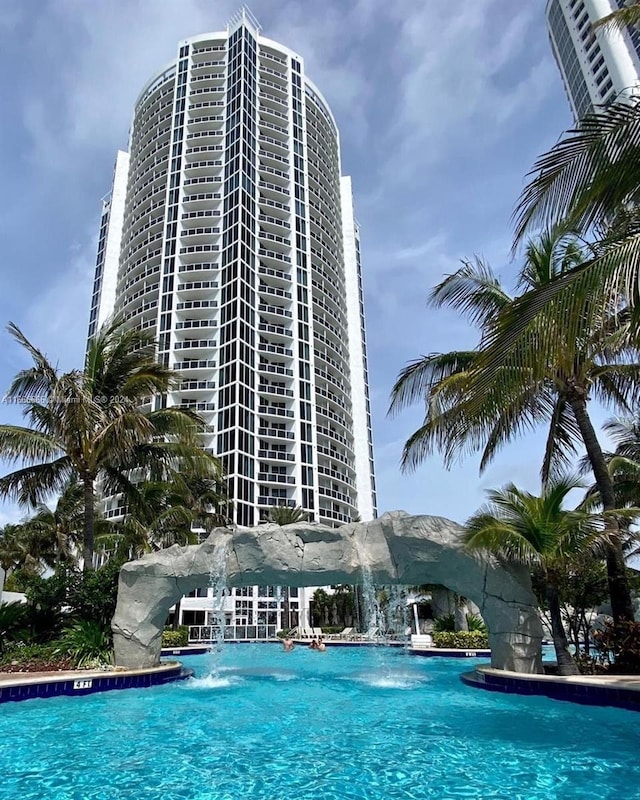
(400, 549)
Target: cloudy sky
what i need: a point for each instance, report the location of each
(442, 109)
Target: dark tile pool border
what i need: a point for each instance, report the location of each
(185, 651)
(562, 689)
(83, 684)
(441, 652)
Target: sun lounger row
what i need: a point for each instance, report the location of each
(306, 633)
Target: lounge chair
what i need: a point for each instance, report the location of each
(343, 635)
(369, 636)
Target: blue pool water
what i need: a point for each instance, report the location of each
(347, 724)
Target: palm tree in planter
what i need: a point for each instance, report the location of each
(96, 426)
(537, 532)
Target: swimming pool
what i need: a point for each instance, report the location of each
(347, 724)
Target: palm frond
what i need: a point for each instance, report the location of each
(18, 443)
(34, 484)
(562, 439)
(621, 19)
(593, 169)
(418, 378)
(39, 380)
(473, 290)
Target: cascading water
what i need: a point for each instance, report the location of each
(397, 614)
(385, 611)
(220, 591)
(374, 621)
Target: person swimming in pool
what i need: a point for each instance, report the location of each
(321, 645)
(288, 644)
(314, 644)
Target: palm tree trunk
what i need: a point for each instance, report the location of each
(566, 664)
(89, 524)
(619, 591)
(286, 609)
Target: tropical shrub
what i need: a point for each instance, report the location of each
(88, 644)
(177, 638)
(476, 623)
(20, 657)
(93, 595)
(70, 595)
(461, 640)
(46, 599)
(588, 665)
(13, 623)
(448, 623)
(444, 623)
(618, 644)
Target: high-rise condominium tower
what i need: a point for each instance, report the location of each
(597, 66)
(230, 233)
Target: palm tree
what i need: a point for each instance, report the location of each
(438, 378)
(623, 18)
(163, 513)
(532, 381)
(206, 496)
(590, 183)
(624, 468)
(16, 549)
(537, 532)
(156, 518)
(59, 529)
(287, 515)
(92, 426)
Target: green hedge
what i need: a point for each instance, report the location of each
(461, 640)
(179, 638)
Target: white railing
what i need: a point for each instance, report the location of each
(207, 634)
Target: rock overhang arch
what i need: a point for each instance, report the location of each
(397, 549)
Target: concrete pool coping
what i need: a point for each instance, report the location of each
(621, 691)
(17, 686)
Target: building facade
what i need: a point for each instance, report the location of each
(597, 66)
(237, 246)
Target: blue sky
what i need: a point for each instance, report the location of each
(442, 109)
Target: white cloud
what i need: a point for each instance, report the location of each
(459, 85)
(427, 248)
(57, 320)
(97, 57)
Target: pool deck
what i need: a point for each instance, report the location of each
(16, 686)
(621, 691)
